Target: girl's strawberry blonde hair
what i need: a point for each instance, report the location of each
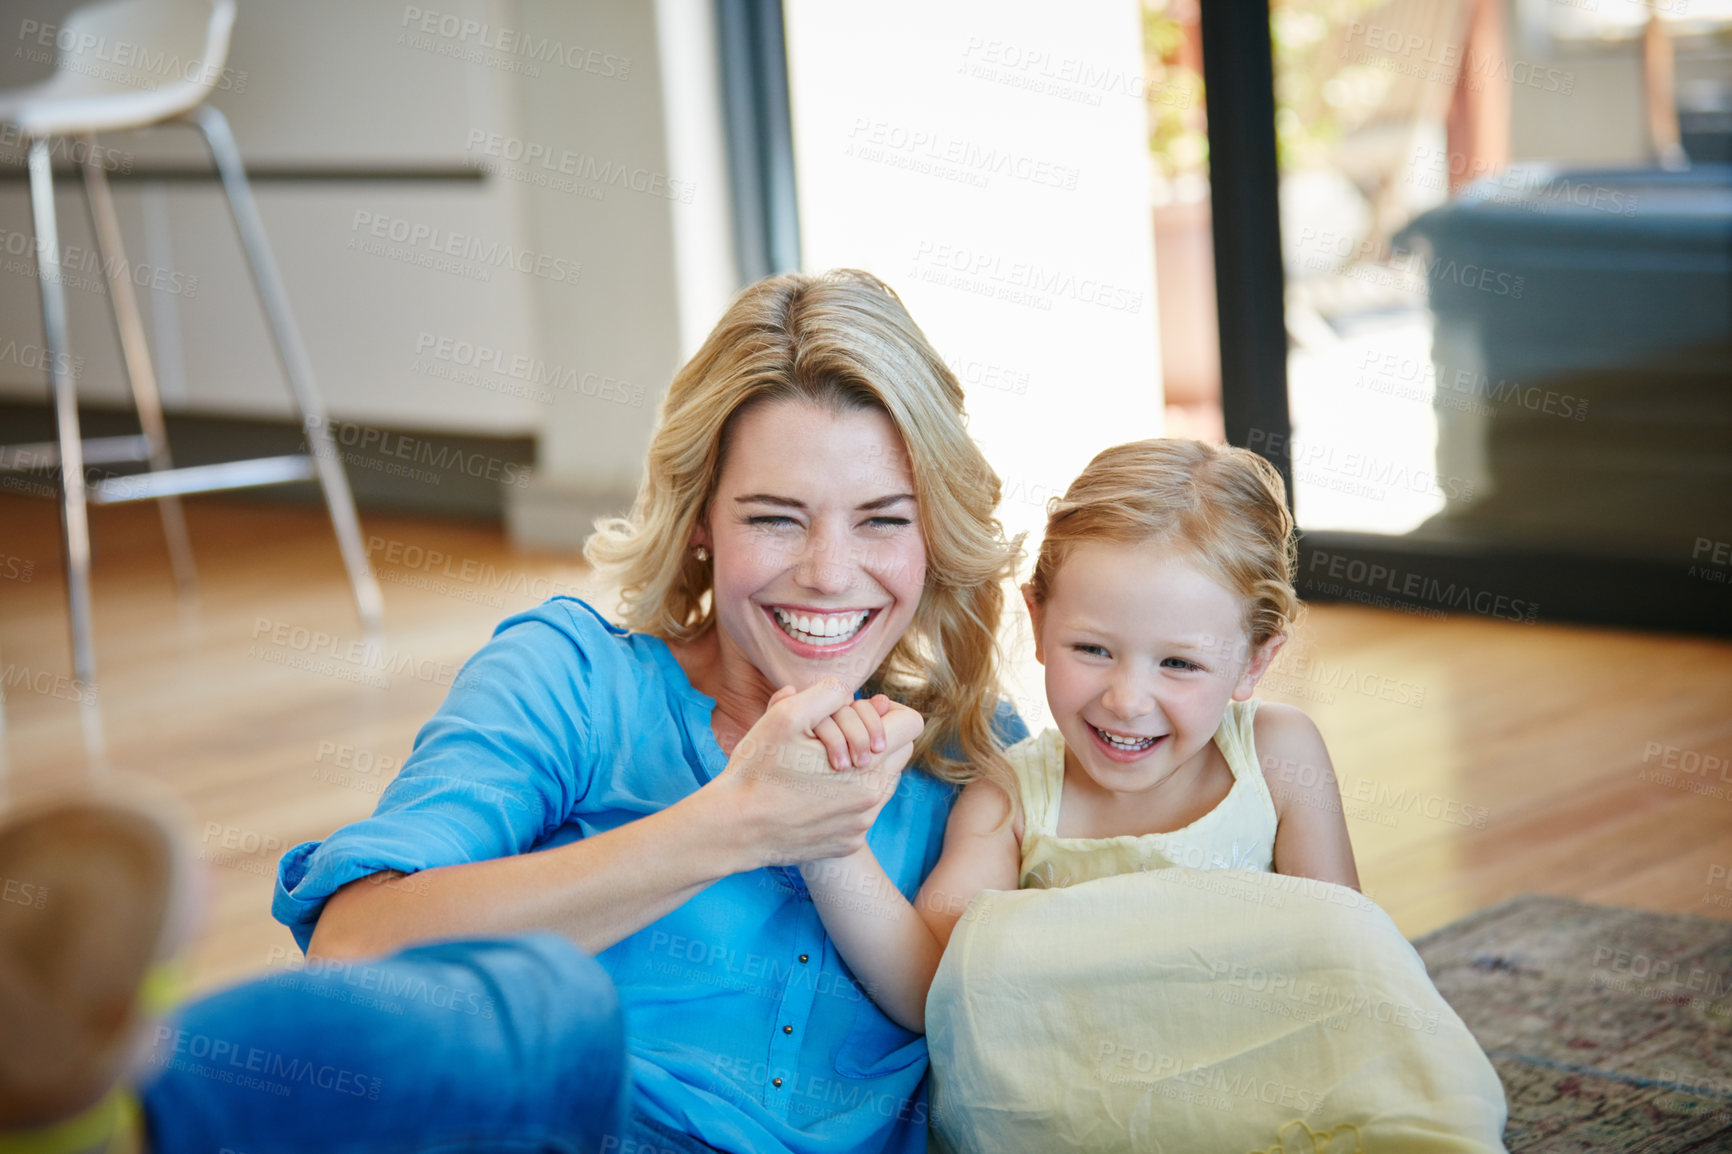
(1226, 507)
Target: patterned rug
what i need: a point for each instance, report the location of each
(1611, 1029)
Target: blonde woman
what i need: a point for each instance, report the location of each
(813, 541)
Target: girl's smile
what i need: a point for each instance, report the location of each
(1143, 650)
(1122, 747)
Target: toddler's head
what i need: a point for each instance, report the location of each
(1163, 588)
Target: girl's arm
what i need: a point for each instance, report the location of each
(1311, 840)
(894, 947)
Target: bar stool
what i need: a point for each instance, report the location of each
(78, 101)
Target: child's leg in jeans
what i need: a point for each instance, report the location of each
(507, 1045)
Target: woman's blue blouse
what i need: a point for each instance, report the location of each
(745, 1027)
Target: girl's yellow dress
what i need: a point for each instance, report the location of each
(1168, 993)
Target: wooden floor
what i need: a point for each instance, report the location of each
(1479, 759)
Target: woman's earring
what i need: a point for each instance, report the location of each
(701, 553)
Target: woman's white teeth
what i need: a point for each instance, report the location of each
(1129, 743)
(821, 628)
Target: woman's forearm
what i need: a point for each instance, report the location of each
(599, 890)
(877, 932)
(596, 891)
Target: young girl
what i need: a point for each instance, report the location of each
(1162, 592)
(1179, 1009)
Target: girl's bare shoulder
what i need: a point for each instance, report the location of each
(982, 810)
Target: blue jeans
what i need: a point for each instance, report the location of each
(504, 1045)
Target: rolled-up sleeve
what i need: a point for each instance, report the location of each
(499, 768)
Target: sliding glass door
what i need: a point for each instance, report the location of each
(1474, 268)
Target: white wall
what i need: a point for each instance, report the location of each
(588, 261)
(319, 84)
(624, 323)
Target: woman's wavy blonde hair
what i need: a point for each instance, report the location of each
(1226, 506)
(842, 340)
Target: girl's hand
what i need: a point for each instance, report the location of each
(855, 734)
(786, 800)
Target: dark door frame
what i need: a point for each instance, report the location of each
(760, 136)
(1502, 582)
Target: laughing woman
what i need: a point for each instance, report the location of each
(814, 516)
